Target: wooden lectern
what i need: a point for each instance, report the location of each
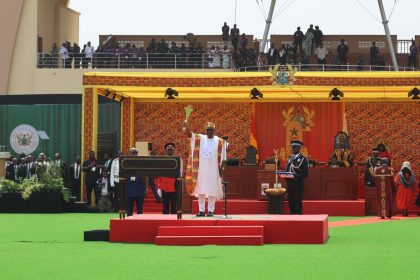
(156, 166)
(3, 157)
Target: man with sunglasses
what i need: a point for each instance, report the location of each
(204, 168)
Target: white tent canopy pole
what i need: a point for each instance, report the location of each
(388, 35)
(267, 25)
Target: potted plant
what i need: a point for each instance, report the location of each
(43, 193)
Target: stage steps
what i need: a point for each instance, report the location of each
(150, 205)
(210, 235)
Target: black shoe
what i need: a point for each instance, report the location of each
(200, 214)
(210, 214)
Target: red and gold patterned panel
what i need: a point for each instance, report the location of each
(397, 124)
(126, 125)
(176, 82)
(88, 124)
(342, 81)
(160, 123)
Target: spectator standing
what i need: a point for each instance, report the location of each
(309, 37)
(374, 53)
(212, 54)
(62, 165)
(65, 58)
(74, 175)
(225, 32)
(298, 39)
(76, 55)
(234, 35)
(225, 57)
(413, 54)
(54, 56)
(89, 50)
(30, 166)
(319, 36)
(282, 55)
(342, 51)
(217, 58)
(321, 53)
(89, 167)
(272, 55)
(12, 170)
(244, 41)
(22, 170)
(115, 180)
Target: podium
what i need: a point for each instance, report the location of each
(157, 166)
(3, 157)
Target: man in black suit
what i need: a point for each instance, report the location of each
(11, 170)
(30, 166)
(89, 167)
(272, 55)
(63, 166)
(22, 172)
(297, 164)
(74, 176)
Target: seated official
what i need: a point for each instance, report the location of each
(334, 163)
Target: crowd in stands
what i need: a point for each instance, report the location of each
(310, 44)
(233, 52)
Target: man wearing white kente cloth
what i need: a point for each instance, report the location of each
(204, 168)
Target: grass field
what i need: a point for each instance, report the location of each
(43, 246)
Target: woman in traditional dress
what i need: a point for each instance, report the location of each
(225, 57)
(212, 54)
(216, 59)
(405, 182)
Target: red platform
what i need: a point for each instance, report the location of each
(239, 230)
(310, 207)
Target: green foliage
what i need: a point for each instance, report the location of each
(8, 186)
(30, 186)
(47, 178)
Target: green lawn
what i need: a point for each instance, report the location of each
(35, 246)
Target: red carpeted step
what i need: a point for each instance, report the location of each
(210, 230)
(209, 240)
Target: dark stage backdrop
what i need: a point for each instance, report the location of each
(61, 122)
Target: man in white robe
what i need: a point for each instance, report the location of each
(208, 152)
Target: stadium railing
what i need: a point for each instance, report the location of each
(136, 61)
(328, 67)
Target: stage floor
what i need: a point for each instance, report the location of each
(167, 230)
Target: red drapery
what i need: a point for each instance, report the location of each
(315, 123)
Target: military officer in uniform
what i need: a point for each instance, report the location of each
(297, 164)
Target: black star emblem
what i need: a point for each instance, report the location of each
(294, 132)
